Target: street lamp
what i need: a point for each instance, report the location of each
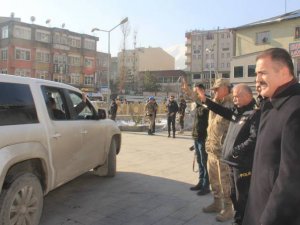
(209, 50)
(108, 54)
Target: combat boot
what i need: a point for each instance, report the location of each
(227, 213)
(215, 207)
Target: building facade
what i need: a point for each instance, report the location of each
(48, 53)
(208, 54)
(281, 31)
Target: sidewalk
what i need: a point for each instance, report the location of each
(151, 188)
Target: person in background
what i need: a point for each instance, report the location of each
(150, 110)
(113, 109)
(274, 190)
(239, 144)
(172, 108)
(156, 108)
(181, 112)
(199, 134)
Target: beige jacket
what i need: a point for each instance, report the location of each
(217, 129)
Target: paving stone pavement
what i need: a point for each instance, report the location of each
(150, 188)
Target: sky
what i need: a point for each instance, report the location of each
(157, 23)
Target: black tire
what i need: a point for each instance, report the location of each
(22, 202)
(109, 169)
(112, 159)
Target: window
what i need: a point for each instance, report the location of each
(23, 72)
(83, 111)
(4, 54)
(88, 62)
(196, 76)
(22, 54)
(75, 78)
(75, 42)
(263, 37)
(4, 32)
(238, 71)
(297, 32)
(42, 74)
(22, 32)
(74, 60)
(251, 71)
(42, 56)
(43, 36)
(209, 36)
(16, 105)
(89, 44)
(88, 80)
(56, 104)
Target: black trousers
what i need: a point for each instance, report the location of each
(171, 120)
(240, 184)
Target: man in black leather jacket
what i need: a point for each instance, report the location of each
(239, 144)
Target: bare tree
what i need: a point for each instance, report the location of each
(125, 31)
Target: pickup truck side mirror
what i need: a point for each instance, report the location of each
(101, 114)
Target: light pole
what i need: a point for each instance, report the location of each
(209, 50)
(108, 54)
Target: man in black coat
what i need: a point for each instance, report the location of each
(239, 144)
(274, 195)
(172, 107)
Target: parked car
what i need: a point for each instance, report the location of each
(49, 135)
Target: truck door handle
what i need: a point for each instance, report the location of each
(56, 135)
(83, 132)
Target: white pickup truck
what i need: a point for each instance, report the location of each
(49, 134)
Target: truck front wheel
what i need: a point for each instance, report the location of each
(22, 201)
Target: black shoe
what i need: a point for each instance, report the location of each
(203, 191)
(192, 148)
(197, 187)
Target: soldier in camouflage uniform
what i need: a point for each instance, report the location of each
(218, 171)
(150, 110)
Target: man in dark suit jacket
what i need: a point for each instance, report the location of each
(274, 195)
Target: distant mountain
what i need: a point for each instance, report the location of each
(178, 52)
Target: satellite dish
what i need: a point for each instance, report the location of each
(32, 19)
(48, 21)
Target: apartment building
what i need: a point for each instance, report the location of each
(281, 31)
(208, 54)
(48, 53)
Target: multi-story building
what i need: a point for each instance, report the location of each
(208, 54)
(131, 62)
(48, 53)
(281, 31)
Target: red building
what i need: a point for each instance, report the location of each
(48, 53)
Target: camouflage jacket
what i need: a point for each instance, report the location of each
(217, 129)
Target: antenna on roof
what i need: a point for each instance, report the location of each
(284, 6)
(32, 19)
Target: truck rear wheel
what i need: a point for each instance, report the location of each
(22, 202)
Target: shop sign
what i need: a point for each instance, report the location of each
(295, 49)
